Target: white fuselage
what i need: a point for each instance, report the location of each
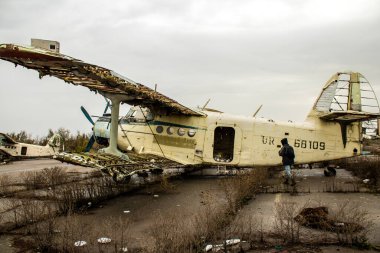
(236, 140)
(23, 150)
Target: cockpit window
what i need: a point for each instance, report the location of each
(138, 115)
(3, 141)
(104, 119)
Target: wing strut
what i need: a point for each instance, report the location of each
(112, 148)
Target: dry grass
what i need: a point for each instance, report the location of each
(6, 185)
(364, 168)
(239, 189)
(213, 221)
(285, 226)
(356, 224)
(48, 177)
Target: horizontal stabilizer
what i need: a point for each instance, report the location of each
(349, 116)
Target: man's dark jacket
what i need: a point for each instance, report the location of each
(287, 153)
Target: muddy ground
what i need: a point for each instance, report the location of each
(186, 197)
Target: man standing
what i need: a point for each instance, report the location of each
(288, 156)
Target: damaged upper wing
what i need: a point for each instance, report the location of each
(6, 139)
(95, 78)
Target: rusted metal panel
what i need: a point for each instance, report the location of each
(95, 78)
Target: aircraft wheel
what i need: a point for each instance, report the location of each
(330, 172)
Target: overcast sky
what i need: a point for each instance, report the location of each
(241, 54)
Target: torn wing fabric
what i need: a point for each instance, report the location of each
(95, 78)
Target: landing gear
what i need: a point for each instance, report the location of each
(330, 171)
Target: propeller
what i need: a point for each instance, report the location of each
(87, 115)
(108, 105)
(91, 141)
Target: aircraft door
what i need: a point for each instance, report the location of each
(223, 144)
(23, 150)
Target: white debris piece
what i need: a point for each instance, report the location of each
(232, 241)
(80, 243)
(124, 249)
(126, 211)
(104, 240)
(366, 181)
(339, 224)
(208, 247)
(155, 196)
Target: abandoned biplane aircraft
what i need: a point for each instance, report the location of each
(13, 150)
(170, 130)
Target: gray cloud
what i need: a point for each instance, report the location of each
(239, 54)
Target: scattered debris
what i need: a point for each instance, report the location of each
(208, 247)
(366, 181)
(120, 169)
(80, 243)
(218, 247)
(104, 240)
(318, 218)
(232, 242)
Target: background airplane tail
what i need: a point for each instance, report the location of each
(55, 141)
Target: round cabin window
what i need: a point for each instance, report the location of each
(170, 130)
(159, 129)
(191, 132)
(181, 131)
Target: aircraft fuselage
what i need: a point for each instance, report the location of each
(223, 139)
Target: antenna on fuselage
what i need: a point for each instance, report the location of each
(257, 111)
(203, 107)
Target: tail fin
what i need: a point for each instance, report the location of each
(346, 97)
(54, 141)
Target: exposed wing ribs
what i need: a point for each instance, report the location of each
(95, 78)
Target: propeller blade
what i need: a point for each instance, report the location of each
(107, 106)
(87, 115)
(90, 143)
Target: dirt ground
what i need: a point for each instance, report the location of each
(186, 197)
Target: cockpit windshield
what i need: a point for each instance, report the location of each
(4, 140)
(138, 115)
